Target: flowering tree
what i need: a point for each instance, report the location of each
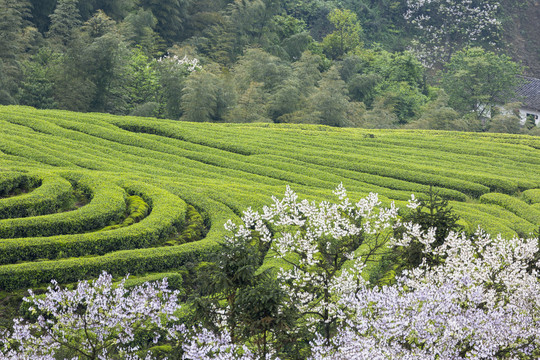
(185, 63)
(319, 246)
(96, 320)
(445, 26)
(480, 303)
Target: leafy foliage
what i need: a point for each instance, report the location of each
(476, 80)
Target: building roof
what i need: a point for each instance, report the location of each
(528, 92)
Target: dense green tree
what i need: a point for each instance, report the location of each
(250, 19)
(258, 66)
(330, 102)
(404, 67)
(13, 20)
(143, 80)
(41, 11)
(251, 106)
(287, 26)
(98, 25)
(363, 87)
(437, 115)
(403, 100)
(287, 99)
(476, 80)
(116, 9)
(95, 69)
(236, 297)
(218, 42)
(138, 30)
(351, 65)
(314, 13)
(296, 44)
(432, 212)
(104, 61)
(37, 84)
(172, 75)
(307, 71)
(382, 21)
(200, 97)
(370, 73)
(170, 15)
(505, 123)
(346, 36)
(290, 37)
(291, 96)
(73, 90)
(64, 21)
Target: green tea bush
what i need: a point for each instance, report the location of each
(518, 207)
(138, 261)
(532, 196)
(222, 169)
(193, 230)
(167, 214)
(12, 181)
(53, 195)
(107, 204)
(137, 209)
(498, 216)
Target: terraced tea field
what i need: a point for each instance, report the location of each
(48, 158)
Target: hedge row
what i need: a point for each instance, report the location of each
(381, 166)
(501, 216)
(305, 174)
(168, 161)
(53, 194)
(14, 145)
(209, 157)
(107, 204)
(120, 263)
(49, 142)
(532, 196)
(439, 148)
(473, 217)
(168, 213)
(283, 168)
(518, 207)
(10, 181)
(174, 280)
(397, 171)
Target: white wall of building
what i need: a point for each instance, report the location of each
(523, 116)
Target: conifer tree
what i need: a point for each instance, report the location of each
(13, 20)
(170, 15)
(64, 21)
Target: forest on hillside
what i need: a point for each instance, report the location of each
(363, 63)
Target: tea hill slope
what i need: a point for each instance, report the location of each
(221, 169)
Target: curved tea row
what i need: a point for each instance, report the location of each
(30, 260)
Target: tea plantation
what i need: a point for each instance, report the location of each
(83, 193)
